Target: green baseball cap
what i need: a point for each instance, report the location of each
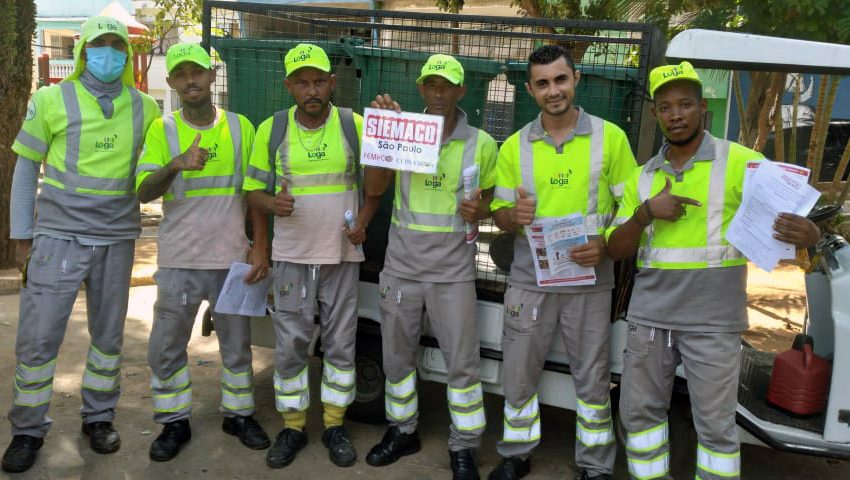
(306, 55)
(187, 52)
(660, 76)
(445, 66)
(98, 26)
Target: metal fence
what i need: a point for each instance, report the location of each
(374, 51)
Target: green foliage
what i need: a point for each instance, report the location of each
(171, 15)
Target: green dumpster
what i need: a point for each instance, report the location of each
(604, 91)
(255, 74)
(394, 71)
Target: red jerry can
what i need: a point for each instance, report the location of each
(799, 382)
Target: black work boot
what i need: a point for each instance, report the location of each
(464, 465)
(287, 444)
(511, 468)
(393, 446)
(168, 443)
(250, 433)
(340, 450)
(585, 475)
(21, 453)
(103, 438)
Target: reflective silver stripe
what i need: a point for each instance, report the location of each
(178, 380)
(716, 194)
(597, 146)
(473, 420)
(465, 397)
(644, 190)
(29, 375)
(506, 194)
(293, 384)
(721, 464)
(321, 179)
(75, 181)
(100, 383)
(177, 188)
(237, 401)
(73, 131)
(526, 162)
(593, 413)
(147, 167)
(406, 217)
(198, 183)
(593, 437)
(714, 254)
(236, 380)
(173, 402)
(530, 410)
(337, 397)
(337, 376)
(33, 398)
(401, 411)
(258, 174)
(292, 393)
(521, 435)
(102, 361)
(138, 127)
(647, 469)
(236, 138)
(647, 440)
(31, 142)
(403, 388)
(618, 189)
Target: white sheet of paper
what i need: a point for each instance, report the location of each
(470, 185)
(562, 234)
(802, 172)
(770, 191)
(240, 298)
(401, 141)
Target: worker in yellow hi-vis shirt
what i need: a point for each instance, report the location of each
(196, 159)
(87, 131)
(562, 163)
(689, 304)
(305, 170)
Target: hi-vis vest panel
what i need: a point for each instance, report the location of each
(207, 184)
(712, 250)
(594, 220)
(441, 214)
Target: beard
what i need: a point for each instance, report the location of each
(685, 141)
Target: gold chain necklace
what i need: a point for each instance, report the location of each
(317, 143)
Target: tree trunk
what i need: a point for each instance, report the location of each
(17, 25)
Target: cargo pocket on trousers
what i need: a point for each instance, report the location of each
(289, 288)
(521, 317)
(637, 340)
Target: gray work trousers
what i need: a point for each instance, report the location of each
(451, 310)
(301, 290)
(712, 367)
(55, 272)
(532, 319)
(180, 292)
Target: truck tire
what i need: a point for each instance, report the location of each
(368, 405)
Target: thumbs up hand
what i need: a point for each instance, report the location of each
(284, 203)
(666, 206)
(523, 212)
(194, 158)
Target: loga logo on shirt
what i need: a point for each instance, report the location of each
(317, 154)
(435, 182)
(562, 180)
(106, 144)
(212, 152)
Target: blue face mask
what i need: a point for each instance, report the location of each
(105, 63)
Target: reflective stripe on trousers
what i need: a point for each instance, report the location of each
(649, 452)
(337, 385)
(714, 252)
(593, 424)
(103, 372)
(172, 394)
(292, 394)
(406, 217)
(71, 178)
(179, 186)
(466, 406)
(237, 391)
(592, 221)
(34, 384)
(522, 424)
(713, 465)
(401, 401)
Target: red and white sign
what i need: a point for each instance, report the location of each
(401, 141)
